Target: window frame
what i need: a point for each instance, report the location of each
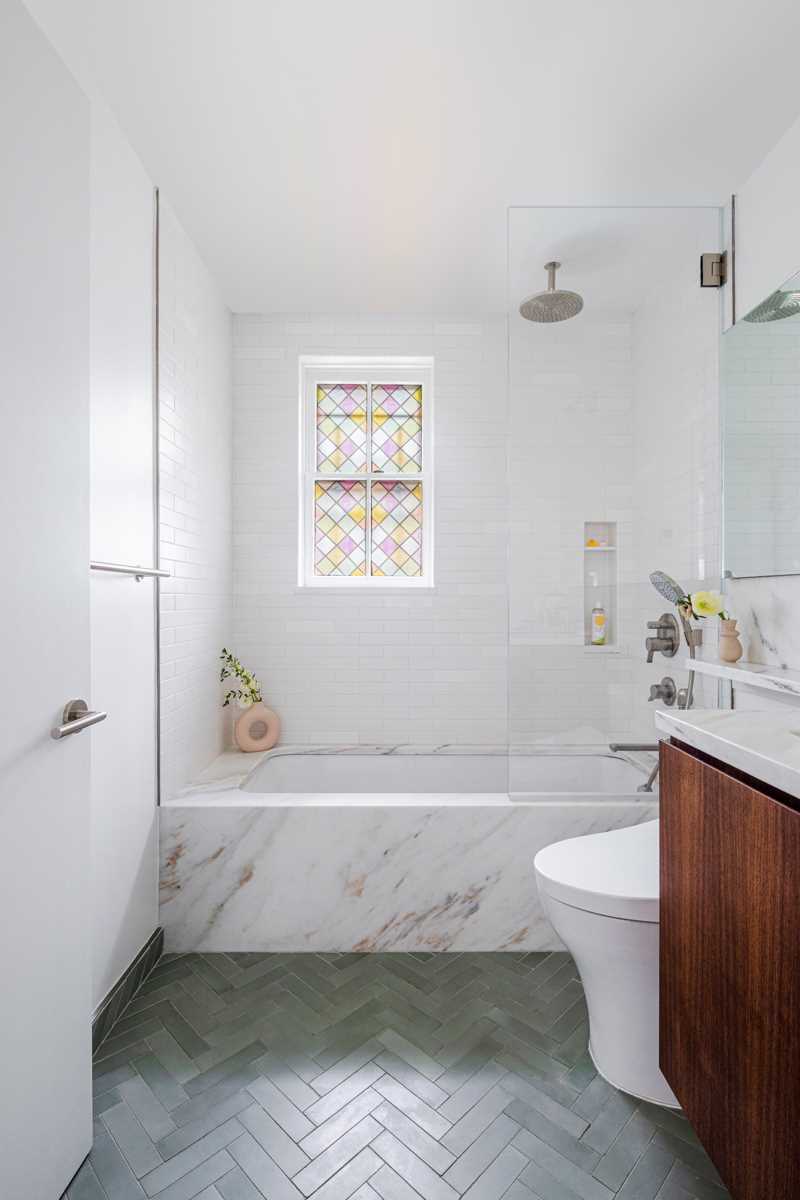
(369, 370)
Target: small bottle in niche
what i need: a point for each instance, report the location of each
(598, 625)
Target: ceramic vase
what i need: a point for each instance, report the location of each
(730, 648)
(258, 728)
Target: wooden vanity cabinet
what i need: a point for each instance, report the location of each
(730, 969)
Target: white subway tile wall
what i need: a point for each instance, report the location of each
(415, 666)
(612, 418)
(196, 531)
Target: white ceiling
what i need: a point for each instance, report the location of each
(360, 155)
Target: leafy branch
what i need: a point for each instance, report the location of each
(249, 692)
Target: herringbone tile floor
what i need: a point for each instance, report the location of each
(286, 1076)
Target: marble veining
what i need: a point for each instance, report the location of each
(765, 745)
(772, 678)
(370, 877)
(766, 610)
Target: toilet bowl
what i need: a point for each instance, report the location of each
(600, 893)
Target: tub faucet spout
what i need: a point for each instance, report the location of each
(614, 747)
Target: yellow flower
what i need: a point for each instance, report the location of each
(706, 604)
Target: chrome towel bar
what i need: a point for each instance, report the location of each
(139, 573)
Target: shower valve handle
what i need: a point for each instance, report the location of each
(667, 639)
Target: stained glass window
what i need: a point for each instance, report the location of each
(367, 476)
(396, 528)
(341, 427)
(340, 527)
(396, 428)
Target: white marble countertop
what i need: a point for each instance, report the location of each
(765, 745)
(774, 679)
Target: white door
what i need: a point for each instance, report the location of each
(45, 1002)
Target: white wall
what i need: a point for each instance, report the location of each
(124, 874)
(195, 451)
(415, 666)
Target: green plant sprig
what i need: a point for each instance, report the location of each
(250, 691)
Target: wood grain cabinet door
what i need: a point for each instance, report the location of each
(730, 971)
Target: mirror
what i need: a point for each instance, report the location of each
(760, 391)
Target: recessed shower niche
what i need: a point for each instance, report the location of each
(600, 570)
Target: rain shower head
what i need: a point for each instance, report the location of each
(775, 308)
(666, 586)
(551, 305)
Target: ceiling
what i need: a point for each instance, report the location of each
(360, 155)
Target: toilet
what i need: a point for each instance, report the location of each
(600, 893)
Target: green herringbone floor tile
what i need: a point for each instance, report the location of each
(401, 1077)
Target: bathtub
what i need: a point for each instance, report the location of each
(381, 848)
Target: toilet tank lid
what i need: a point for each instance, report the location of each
(614, 874)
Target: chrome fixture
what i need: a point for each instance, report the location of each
(665, 691)
(139, 573)
(551, 305)
(667, 637)
(75, 717)
(667, 587)
(616, 747)
(647, 786)
(713, 269)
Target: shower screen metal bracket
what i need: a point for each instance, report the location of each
(713, 269)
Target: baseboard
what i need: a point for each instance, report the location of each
(123, 991)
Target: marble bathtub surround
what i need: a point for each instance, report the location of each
(765, 745)
(366, 877)
(251, 870)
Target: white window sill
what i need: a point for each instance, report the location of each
(304, 589)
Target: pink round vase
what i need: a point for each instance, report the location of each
(258, 728)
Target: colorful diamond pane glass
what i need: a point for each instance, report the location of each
(397, 528)
(341, 427)
(340, 527)
(396, 428)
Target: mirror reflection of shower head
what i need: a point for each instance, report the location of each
(776, 307)
(553, 304)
